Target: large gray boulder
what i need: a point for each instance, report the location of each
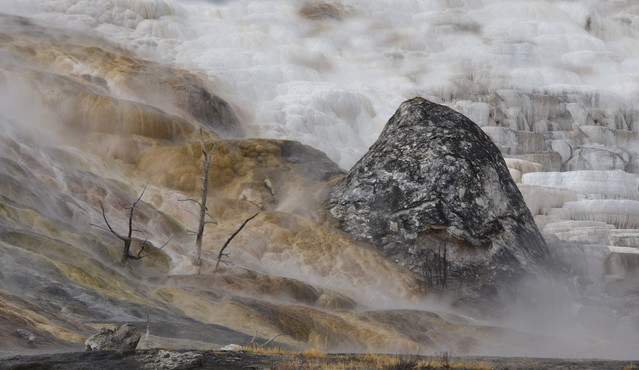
(434, 194)
(124, 337)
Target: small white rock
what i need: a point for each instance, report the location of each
(231, 348)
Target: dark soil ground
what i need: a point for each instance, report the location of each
(161, 359)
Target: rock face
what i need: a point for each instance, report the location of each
(434, 194)
(123, 337)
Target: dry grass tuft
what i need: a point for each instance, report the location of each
(269, 350)
(315, 358)
(314, 353)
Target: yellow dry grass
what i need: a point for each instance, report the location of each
(315, 358)
(314, 353)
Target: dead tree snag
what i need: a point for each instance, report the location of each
(228, 241)
(203, 214)
(128, 238)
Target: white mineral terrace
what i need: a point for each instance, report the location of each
(553, 83)
(597, 209)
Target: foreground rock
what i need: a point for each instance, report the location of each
(123, 337)
(161, 359)
(434, 194)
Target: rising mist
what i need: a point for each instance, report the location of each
(553, 83)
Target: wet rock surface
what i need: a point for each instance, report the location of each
(434, 194)
(116, 98)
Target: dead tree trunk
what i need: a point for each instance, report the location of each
(438, 270)
(128, 239)
(208, 155)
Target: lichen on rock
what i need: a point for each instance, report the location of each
(435, 195)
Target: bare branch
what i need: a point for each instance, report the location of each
(100, 227)
(142, 248)
(219, 256)
(227, 263)
(190, 200)
(157, 250)
(133, 210)
(129, 238)
(140, 256)
(140, 197)
(272, 339)
(191, 212)
(109, 225)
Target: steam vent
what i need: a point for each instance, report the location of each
(434, 194)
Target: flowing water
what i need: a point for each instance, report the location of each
(101, 98)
